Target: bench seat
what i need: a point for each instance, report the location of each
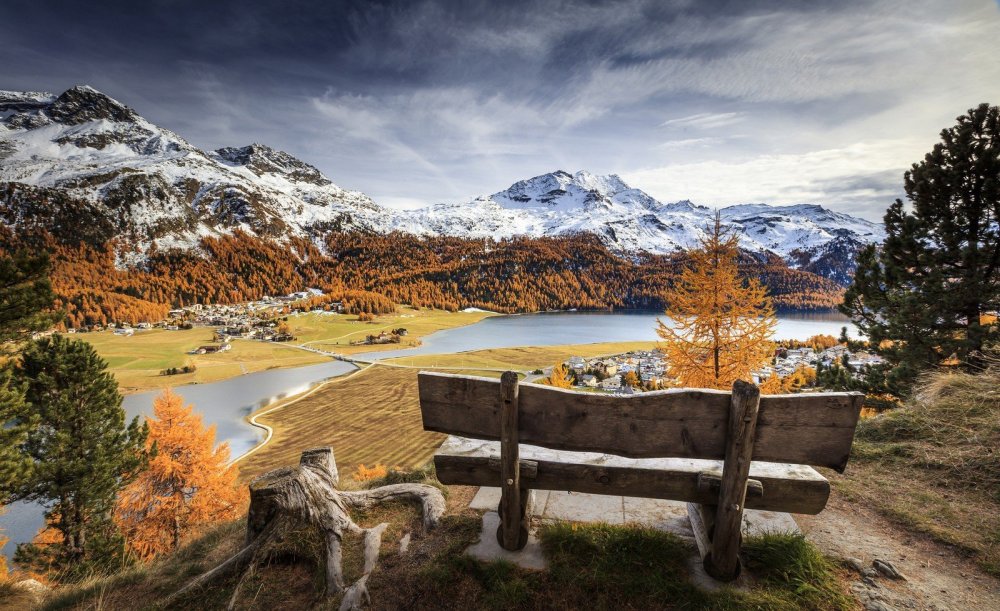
(786, 487)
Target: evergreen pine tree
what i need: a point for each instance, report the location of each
(15, 467)
(921, 297)
(82, 451)
(25, 298)
(25, 302)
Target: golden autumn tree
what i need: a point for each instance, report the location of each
(559, 377)
(722, 323)
(188, 485)
(3, 559)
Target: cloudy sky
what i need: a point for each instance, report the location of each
(423, 102)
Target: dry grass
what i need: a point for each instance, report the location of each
(934, 465)
(524, 357)
(335, 332)
(137, 361)
(372, 416)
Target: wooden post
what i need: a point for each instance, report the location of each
(723, 562)
(513, 532)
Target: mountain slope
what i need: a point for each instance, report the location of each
(154, 185)
(629, 220)
(146, 186)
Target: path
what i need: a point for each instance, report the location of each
(937, 577)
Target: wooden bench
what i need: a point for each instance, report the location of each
(690, 445)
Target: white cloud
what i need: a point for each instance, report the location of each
(863, 178)
(705, 120)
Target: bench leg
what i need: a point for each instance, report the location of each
(702, 518)
(512, 534)
(513, 531)
(723, 562)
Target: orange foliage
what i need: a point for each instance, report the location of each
(803, 376)
(3, 559)
(372, 273)
(559, 377)
(722, 323)
(364, 474)
(188, 484)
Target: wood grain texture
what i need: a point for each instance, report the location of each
(724, 563)
(511, 509)
(786, 487)
(808, 428)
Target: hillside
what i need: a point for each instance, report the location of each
(150, 189)
(515, 275)
(935, 455)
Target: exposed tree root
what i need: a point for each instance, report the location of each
(289, 498)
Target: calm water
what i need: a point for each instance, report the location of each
(589, 327)
(226, 404)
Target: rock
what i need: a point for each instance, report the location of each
(877, 605)
(855, 564)
(888, 569)
(404, 544)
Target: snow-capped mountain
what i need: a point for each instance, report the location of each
(149, 185)
(157, 186)
(628, 219)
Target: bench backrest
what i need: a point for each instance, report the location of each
(809, 428)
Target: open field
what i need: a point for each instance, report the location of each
(524, 357)
(335, 332)
(137, 361)
(372, 416)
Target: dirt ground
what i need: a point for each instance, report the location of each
(937, 577)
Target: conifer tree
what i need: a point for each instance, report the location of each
(188, 484)
(25, 301)
(559, 377)
(722, 323)
(922, 296)
(82, 452)
(26, 298)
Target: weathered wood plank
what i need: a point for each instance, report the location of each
(698, 515)
(723, 562)
(787, 487)
(512, 517)
(808, 428)
(712, 483)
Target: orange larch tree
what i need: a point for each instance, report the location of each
(722, 324)
(559, 377)
(188, 485)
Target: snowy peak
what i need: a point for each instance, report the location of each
(562, 191)
(629, 220)
(82, 104)
(261, 160)
(154, 184)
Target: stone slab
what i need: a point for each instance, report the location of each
(580, 507)
(756, 522)
(669, 516)
(488, 548)
(488, 499)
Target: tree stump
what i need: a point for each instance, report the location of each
(289, 498)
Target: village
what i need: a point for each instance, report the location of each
(640, 370)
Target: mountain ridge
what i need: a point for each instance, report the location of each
(160, 190)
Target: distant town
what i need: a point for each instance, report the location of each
(640, 370)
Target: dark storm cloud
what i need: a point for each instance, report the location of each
(435, 100)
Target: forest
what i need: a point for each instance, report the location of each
(95, 285)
